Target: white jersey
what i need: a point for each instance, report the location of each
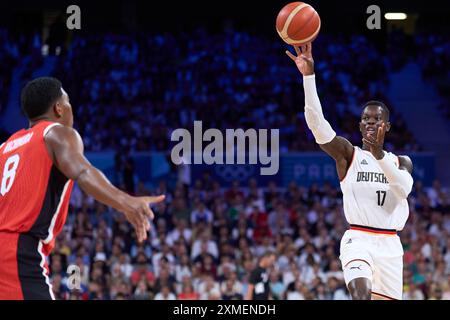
(368, 200)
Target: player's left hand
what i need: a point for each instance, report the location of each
(376, 144)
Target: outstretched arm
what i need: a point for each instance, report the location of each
(339, 148)
(66, 149)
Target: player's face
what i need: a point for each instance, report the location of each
(66, 110)
(371, 119)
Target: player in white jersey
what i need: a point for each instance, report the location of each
(375, 185)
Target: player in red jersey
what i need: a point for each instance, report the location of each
(38, 167)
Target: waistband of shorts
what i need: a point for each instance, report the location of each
(390, 232)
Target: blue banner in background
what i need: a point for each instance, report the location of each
(303, 168)
(308, 168)
(225, 174)
(424, 167)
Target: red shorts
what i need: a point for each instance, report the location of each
(23, 270)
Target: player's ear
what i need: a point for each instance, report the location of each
(58, 110)
(388, 126)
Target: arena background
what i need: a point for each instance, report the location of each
(136, 71)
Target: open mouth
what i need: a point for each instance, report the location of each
(371, 131)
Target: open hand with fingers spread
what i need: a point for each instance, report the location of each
(376, 143)
(304, 59)
(137, 211)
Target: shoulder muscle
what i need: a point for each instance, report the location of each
(66, 149)
(405, 163)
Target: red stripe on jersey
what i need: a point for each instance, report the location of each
(373, 230)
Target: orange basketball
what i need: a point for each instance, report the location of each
(298, 23)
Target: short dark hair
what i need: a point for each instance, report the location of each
(380, 104)
(39, 95)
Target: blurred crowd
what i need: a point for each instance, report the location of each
(434, 58)
(160, 82)
(9, 55)
(228, 80)
(206, 240)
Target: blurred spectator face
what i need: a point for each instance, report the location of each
(141, 263)
(165, 249)
(184, 260)
(123, 259)
(56, 266)
(124, 288)
(274, 276)
(116, 271)
(248, 265)
(165, 290)
(116, 250)
(142, 286)
(321, 289)
(422, 267)
(187, 288)
(94, 288)
(332, 283)
(164, 274)
(437, 292)
(334, 266)
(204, 247)
(298, 286)
(56, 281)
(309, 249)
(208, 260)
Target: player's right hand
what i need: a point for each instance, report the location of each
(304, 59)
(137, 211)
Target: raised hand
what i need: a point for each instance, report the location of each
(376, 144)
(304, 59)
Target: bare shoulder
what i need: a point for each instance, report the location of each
(62, 140)
(405, 163)
(61, 134)
(339, 148)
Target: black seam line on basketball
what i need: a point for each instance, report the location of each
(372, 228)
(304, 24)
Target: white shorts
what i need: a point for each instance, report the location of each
(383, 253)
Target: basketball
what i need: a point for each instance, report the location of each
(298, 23)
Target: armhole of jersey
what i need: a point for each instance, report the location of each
(47, 129)
(350, 165)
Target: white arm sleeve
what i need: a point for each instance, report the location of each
(400, 181)
(320, 127)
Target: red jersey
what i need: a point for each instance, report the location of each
(34, 194)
